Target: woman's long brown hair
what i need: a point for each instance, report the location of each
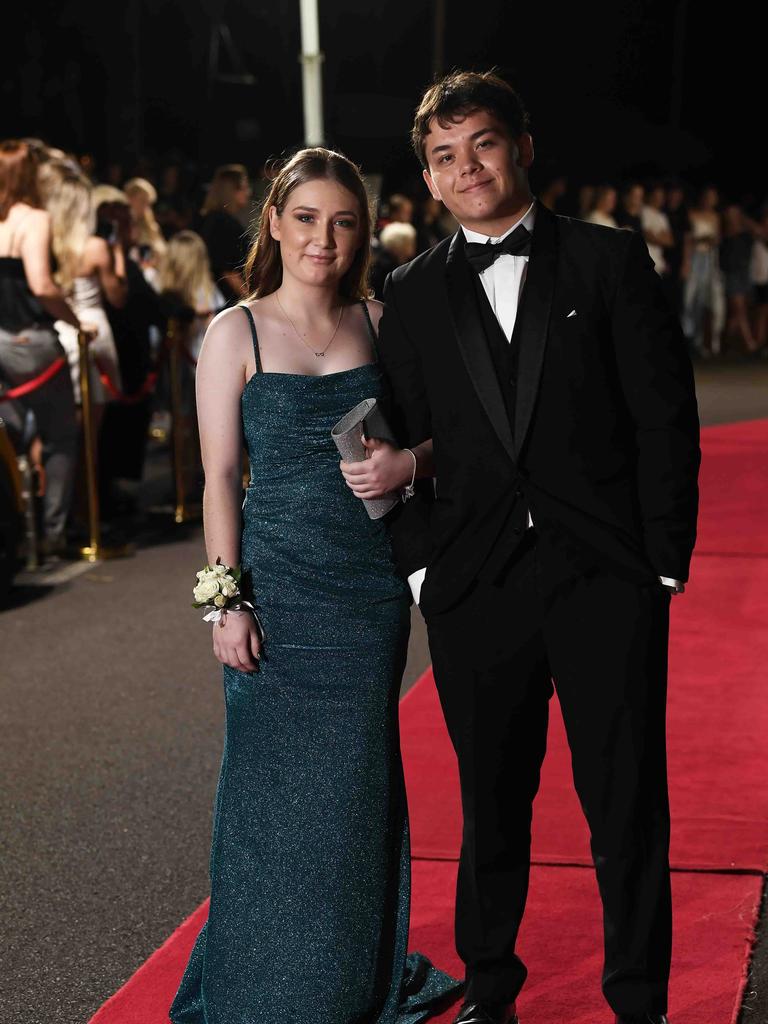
(264, 265)
(18, 176)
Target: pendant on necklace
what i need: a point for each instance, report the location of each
(319, 354)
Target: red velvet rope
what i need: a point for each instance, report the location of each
(118, 396)
(35, 382)
(149, 384)
(109, 386)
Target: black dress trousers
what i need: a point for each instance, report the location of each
(603, 640)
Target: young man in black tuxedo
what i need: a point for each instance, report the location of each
(540, 355)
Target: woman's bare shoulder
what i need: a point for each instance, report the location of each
(96, 250)
(262, 310)
(21, 208)
(225, 355)
(228, 338)
(231, 319)
(23, 217)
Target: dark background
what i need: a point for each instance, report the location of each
(632, 87)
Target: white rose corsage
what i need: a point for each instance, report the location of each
(218, 591)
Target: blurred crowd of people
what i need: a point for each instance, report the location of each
(118, 258)
(84, 259)
(712, 257)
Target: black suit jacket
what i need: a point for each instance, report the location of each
(604, 446)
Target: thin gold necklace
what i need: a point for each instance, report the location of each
(304, 340)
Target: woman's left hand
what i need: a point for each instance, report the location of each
(385, 469)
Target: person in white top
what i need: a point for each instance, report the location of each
(656, 227)
(88, 268)
(605, 204)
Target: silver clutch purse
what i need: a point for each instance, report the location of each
(366, 419)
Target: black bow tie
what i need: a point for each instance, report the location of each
(482, 255)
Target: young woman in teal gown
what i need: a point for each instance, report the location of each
(310, 866)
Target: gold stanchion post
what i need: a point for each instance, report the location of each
(94, 551)
(176, 338)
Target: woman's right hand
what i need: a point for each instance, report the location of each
(237, 643)
(91, 331)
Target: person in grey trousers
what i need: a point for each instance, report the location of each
(30, 302)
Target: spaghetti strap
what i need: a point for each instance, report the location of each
(371, 331)
(254, 338)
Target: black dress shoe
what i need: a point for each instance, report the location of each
(486, 1013)
(642, 1018)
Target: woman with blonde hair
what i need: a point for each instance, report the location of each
(310, 869)
(185, 273)
(89, 269)
(228, 195)
(142, 196)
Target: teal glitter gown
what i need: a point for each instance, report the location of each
(310, 862)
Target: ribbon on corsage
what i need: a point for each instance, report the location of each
(217, 591)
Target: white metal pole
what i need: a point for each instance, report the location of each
(311, 80)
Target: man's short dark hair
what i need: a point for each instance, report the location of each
(461, 93)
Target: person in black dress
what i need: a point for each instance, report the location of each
(628, 213)
(30, 303)
(223, 233)
(676, 210)
(123, 437)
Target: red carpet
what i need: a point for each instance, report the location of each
(146, 996)
(718, 721)
(734, 489)
(560, 941)
(718, 712)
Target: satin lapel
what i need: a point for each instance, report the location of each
(472, 342)
(533, 318)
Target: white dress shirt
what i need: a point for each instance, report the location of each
(503, 282)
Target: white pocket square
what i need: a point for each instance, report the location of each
(572, 313)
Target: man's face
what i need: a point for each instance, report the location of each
(477, 169)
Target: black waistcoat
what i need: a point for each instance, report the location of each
(504, 355)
